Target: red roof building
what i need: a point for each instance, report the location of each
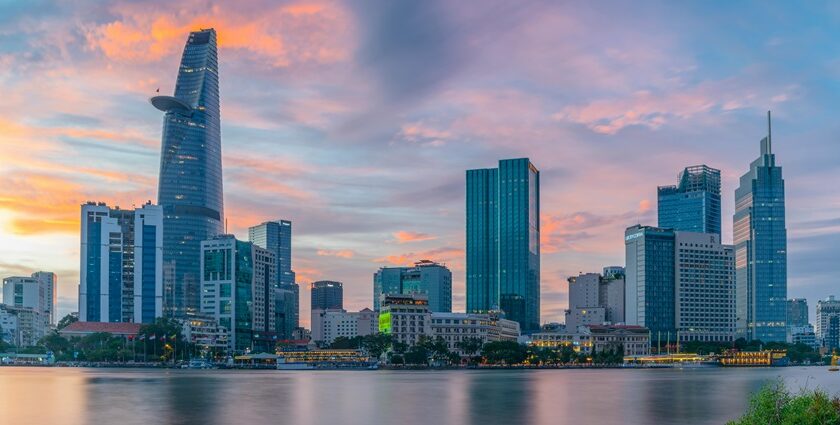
(81, 329)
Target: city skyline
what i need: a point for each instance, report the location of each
(298, 148)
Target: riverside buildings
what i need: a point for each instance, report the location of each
(190, 183)
(405, 317)
(457, 327)
(327, 295)
(121, 271)
(327, 325)
(503, 241)
(826, 309)
(276, 236)
(595, 299)
(693, 205)
(797, 312)
(237, 291)
(37, 292)
(760, 239)
(426, 277)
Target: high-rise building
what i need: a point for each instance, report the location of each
(22, 326)
(797, 312)
(760, 239)
(693, 205)
(405, 317)
(503, 241)
(826, 309)
(704, 293)
(121, 273)
(49, 281)
(190, 183)
(649, 280)
(327, 295)
(426, 277)
(237, 290)
(27, 292)
(276, 236)
(611, 294)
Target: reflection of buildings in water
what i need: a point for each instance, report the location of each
(190, 399)
(503, 397)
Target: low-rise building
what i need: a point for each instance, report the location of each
(205, 332)
(635, 340)
(117, 329)
(457, 327)
(327, 325)
(26, 325)
(405, 317)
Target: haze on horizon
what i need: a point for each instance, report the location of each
(357, 120)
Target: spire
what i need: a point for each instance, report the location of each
(765, 142)
(769, 138)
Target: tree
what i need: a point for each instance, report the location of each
(344, 343)
(66, 321)
(470, 346)
(376, 344)
(774, 405)
(504, 352)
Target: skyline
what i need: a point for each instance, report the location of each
(341, 175)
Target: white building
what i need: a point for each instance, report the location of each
(121, 270)
(8, 324)
(205, 332)
(327, 325)
(405, 317)
(634, 340)
(26, 326)
(802, 335)
(584, 308)
(826, 309)
(705, 288)
(457, 327)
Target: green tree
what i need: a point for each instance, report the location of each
(774, 405)
(376, 344)
(66, 321)
(504, 352)
(470, 346)
(344, 343)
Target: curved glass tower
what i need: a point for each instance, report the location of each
(190, 184)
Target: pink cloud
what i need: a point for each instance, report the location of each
(405, 236)
(341, 253)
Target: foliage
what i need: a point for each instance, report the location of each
(376, 344)
(504, 352)
(66, 321)
(343, 343)
(470, 346)
(773, 405)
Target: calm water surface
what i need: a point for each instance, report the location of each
(143, 396)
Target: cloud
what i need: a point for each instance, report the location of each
(405, 236)
(341, 253)
(441, 255)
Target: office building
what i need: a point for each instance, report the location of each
(613, 272)
(121, 272)
(426, 277)
(405, 317)
(826, 309)
(237, 291)
(327, 295)
(802, 335)
(611, 295)
(760, 239)
(797, 312)
(693, 205)
(286, 313)
(206, 333)
(503, 241)
(28, 292)
(22, 326)
(190, 182)
(584, 306)
(457, 327)
(705, 288)
(327, 325)
(276, 236)
(49, 281)
(649, 280)
(831, 338)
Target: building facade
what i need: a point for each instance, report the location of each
(797, 312)
(826, 309)
(634, 340)
(237, 291)
(503, 242)
(121, 272)
(457, 327)
(327, 295)
(584, 301)
(693, 205)
(276, 236)
(426, 277)
(611, 295)
(205, 332)
(327, 325)
(760, 239)
(22, 326)
(405, 317)
(650, 281)
(190, 183)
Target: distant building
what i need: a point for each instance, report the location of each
(327, 295)
(83, 329)
(803, 335)
(405, 317)
(634, 340)
(826, 309)
(611, 295)
(206, 333)
(34, 292)
(613, 272)
(286, 302)
(650, 281)
(457, 327)
(760, 239)
(49, 281)
(693, 205)
(797, 312)
(121, 277)
(584, 307)
(327, 325)
(503, 241)
(831, 340)
(238, 293)
(276, 236)
(426, 277)
(22, 326)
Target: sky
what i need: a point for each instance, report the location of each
(356, 120)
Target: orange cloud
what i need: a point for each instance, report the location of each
(342, 253)
(405, 236)
(441, 255)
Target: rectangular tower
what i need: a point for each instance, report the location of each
(426, 277)
(760, 238)
(693, 205)
(503, 241)
(649, 281)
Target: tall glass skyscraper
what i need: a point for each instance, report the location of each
(276, 236)
(760, 239)
(693, 205)
(426, 277)
(649, 281)
(190, 184)
(503, 241)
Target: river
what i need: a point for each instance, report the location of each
(599, 396)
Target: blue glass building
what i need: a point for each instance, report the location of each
(693, 205)
(649, 280)
(276, 236)
(426, 277)
(190, 184)
(760, 238)
(503, 241)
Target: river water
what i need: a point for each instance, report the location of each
(600, 396)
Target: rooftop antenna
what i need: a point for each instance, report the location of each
(769, 139)
(226, 232)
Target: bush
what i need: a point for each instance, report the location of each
(773, 405)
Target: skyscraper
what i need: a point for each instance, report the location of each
(797, 312)
(693, 205)
(190, 184)
(649, 281)
(503, 241)
(37, 292)
(826, 309)
(49, 281)
(327, 295)
(426, 277)
(276, 236)
(760, 239)
(121, 272)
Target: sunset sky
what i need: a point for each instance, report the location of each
(356, 120)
